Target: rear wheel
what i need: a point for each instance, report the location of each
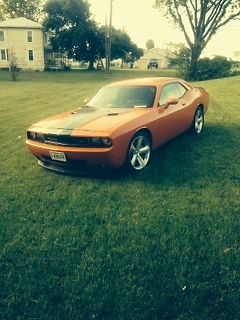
(198, 121)
(139, 152)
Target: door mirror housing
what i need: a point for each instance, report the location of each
(171, 101)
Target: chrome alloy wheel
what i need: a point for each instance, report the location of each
(139, 152)
(198, 121)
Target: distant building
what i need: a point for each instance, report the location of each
(154, 58)
(236, 55)
(236, 58)
(23, 41)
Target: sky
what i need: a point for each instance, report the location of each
(142, 22)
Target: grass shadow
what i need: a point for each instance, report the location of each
(186, 159)
(194, 159)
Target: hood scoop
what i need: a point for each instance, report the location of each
(113, 114)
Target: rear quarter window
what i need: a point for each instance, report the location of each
(181, 89)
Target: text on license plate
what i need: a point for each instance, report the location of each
(59, 156)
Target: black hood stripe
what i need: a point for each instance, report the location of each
(78, 118)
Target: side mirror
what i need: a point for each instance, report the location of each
(84, 104)
(171, 101)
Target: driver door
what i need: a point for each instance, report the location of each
(170, 116)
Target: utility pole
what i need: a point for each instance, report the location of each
(108, 40)
(106, 47)
(110, 37)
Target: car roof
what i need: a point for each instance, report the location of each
(153, 81)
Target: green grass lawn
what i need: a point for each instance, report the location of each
(161, 244)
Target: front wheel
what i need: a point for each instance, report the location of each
(139, 152)
(198, 121)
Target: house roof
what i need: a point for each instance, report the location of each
(20, 23)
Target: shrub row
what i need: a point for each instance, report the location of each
(217, 67)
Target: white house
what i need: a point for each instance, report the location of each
(158, 56)
(22, 41)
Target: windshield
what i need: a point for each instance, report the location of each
(124, 97)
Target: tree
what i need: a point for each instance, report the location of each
(73, 30)
(30, 9)
(199, 20)
(121, 45)
(77, 34)
(1, 12)
(136, 52)
(123, 48)
(150, 44)
(180, 57)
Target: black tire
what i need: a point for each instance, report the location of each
(198, 121)
(139, 152)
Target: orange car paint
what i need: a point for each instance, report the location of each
(162, 123)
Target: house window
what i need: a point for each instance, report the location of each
(1, 35)
(29, 36)
(30, 55)
(3, 54)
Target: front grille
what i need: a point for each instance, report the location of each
(66, 140)
(63, 140)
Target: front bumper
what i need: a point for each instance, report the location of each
(78, 159)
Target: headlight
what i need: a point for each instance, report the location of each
(101, 142)
(96, 142)
(35, 136)
(31, 135)
(40, 137)
(107, 142)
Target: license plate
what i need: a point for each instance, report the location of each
(59, 156)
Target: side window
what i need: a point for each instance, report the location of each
(3, 54)
(29, 36)
(181, 89)
(1, 35)
(170, 90)
(30, 55)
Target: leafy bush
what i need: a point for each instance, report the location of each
(180, 59)
(235, 73)
(218, 67)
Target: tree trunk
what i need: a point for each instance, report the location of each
(91, 66)
(193, 69)
(195, 54)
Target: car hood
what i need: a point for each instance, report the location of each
(91, 119)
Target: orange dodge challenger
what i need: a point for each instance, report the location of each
(119, 126)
